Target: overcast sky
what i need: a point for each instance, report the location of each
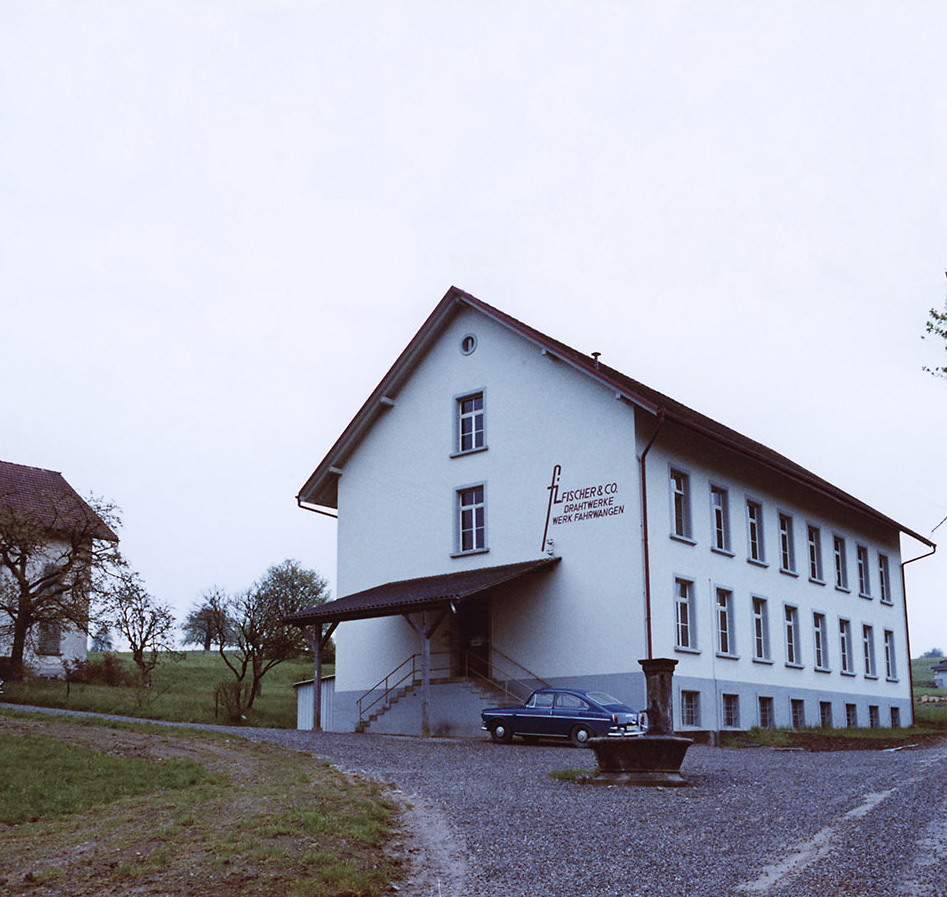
(220, 223)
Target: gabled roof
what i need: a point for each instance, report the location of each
(321, 489)
(44, 496)
(411, 595)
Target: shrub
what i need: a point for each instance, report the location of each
(105, 670)
(234, 697)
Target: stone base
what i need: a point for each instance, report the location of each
(649, 760)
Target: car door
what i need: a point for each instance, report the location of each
(568, 710)
(533, 717)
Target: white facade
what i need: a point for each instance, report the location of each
(559, 464)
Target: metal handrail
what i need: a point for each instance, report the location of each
(387, 685)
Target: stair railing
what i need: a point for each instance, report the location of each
(382, 690)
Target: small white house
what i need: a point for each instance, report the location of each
(512, 511)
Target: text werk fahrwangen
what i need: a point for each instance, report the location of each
(588, 504)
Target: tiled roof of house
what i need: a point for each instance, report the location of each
(45, 497)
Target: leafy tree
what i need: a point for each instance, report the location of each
(936, 328)
(261, 638)
(200, 627)
(934, 652)
(57, 553)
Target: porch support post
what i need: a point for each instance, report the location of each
(425, 629)
(317, 641)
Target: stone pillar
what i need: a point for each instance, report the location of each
(658, 673)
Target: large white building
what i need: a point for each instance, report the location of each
(510, 509)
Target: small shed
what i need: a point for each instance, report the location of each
(304, 703)
(940, 674)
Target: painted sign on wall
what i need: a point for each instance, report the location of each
(579, 503)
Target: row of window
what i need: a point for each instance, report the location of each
(681, 528)
(725, 633)
(766, 713)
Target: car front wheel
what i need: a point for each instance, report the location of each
(580, 735)
(501, 733)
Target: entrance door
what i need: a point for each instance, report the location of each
(473, 631)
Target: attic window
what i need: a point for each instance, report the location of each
(468, 344)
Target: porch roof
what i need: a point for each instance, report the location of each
(411, 595)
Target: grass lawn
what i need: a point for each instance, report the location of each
(129, 808)
(183, 691)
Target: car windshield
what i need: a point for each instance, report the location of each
(606, 700)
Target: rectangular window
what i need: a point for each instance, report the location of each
(798, 708)
(891, 666)
(684, 613)
(874, 718)
(787, 548)
(868, 644)
(825, 714)
(720, 514)
(690, 708)
(49, 639)
(470, 423)
(793, 655)
(731, 711)
(725, 641)
(472, 519)
(820, 641)
(767, 714)
(841, 565)
(851, 716)
(864, 582)
(680, 504)
(845, 646)
(895, 717)
(754, 531)
(760, 630)
(884, 579)
(815, 554)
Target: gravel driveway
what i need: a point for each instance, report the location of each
(756, 821)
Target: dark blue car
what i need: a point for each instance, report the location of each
(563, 713)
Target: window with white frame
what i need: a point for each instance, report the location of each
(797, 708)
(884, 579)
(470, 423)
(754, 531)
(868, 646)
(841, 564)
(846, 655)
(49, 639)
(760, 629)
(725, 622)
(864, 579)
(680, 504)
(767, 712)
(891, 665)
(793, 655)
(815, 554)
(690, 708)
(472, 525)
(686, 636)
(731, 711)
(820, 641)
(787, 548)
(720, 518)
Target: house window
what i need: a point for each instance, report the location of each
(754, 530)
(690, 708)
(874, 718)
(825, 714)
(798, 708)
(895, 717)
(815, 554)
(472, 519)
(731, 711)
(891, 667)
(787, 549)
(851, 716)
(720, 518)
(49, 639)
(845, 646)
(470, 423)
(767, 714)
(680, 504)
(841, 566)
(684, 613)
(820, 641)
(864, 583)
(868, 643)
(760, 630)
(725, 640)
(884, 579)
(793, 656)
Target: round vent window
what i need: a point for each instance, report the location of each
(468, 344)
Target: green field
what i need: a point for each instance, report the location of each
(183, 691)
